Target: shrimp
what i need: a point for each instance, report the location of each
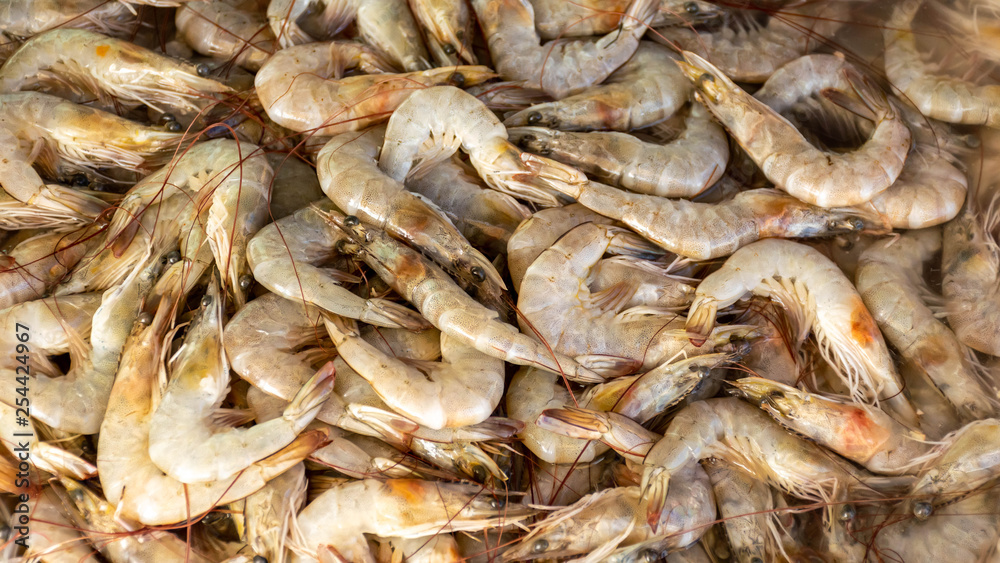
(749, 52)
(53, 322)
(448, 30)
(890, 282)
(426, 129)
(645, 90)
(36, 264)
(654, 285)
(684, 167)
(286, 256)
(861, 433)
(745, 507)
(562, 484)
(110, 68)
(556, 303)
(621, 433)
(487, 218)
(386, 25)
(183, 420)
(815, 292)
(128, 476)
(463, 389)
(350, 176)
(405, 508)
(456, 314)
(966, 460)
(738, 433)
(788, 159)
(702, 231)
(53, 538)
(600, 522)
(940, 97)
(362, 457)
(70, 137)
(24, 18)
(45, 456)
(219, 29)
(440, 548)
(268, 513)
(970, 265)
(555, 19)
(558, 68)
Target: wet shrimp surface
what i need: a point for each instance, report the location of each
(376, 281)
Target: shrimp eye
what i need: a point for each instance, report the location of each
(648, 555)
(80, 180)
(497, 503)
(540, 546)
(351, 221)
(145, 318)
(173, 257)
(174, 127)
(922, 510)
(478, 273)
(245, 282)
(458, 79)
(206, 300)
(448, 49)
(534, 118)
(848, 513)
(167, 118)
(691, 8)
(479, 473)
(203, 70)
(706, 78)
(259, 559)
(857, 224)
(756, 560)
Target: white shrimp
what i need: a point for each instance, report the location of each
(449, 29)
(25, 18)
(220, 29)
(268, 513)
(34, 265)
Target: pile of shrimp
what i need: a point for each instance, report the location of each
(499, 280)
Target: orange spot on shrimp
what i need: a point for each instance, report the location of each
(103, 50)
(860, 435)
(410, 489)
(864, 331)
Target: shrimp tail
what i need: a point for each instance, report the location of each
(493, 428)
(311, 397)
(300, 448)
(701, 320)
(54, 196)
(60, 462)
(381, 312)
(627, 243)
(604, 366)
(655, 481)
(575, 423)
(391, 426)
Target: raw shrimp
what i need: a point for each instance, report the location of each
(71, 138)
(964, 461)
(890, 281)
(749, 52)
(788, 159)
(110, 68)
(861, 433)
(562, 484)
(440, 548)
(362, 457)
(286, 257)
(53, 538)
(683, 167)
(463, 389)
(600, 522)
(350, 176)
(621, 433)
(38, 263)
(53, 321)
(645, 90)
(745, 508)
(814, 292)
(456, 314)
(449, 29)
(24, 18)
(268, 513)
(130, 479)
(386, 25)
(650, 283)
(970, 265)
(941, 97)
(556, 303)
(407, 508)
(220, 29)
(184, 420)
(45, 456)
(487, 218)
(555, 19)
(433, 123)
(703, 231)
(738, 433)
(559, 68)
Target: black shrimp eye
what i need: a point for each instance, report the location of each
(534, 118)
(648, 555)
(167, 118)
(478, 273)
(479, 473)
(173, 257)
(458, 79)
(756, 560)
(145, 318)
(259, 559)
(206, 300)
(922, 510)
(351, 221)
(848, 513)
(448, 49)
(174, 127)
(857, 224)
(246, 281)
(203, 70)
(540, 546)
(80, 180)
(691, 7)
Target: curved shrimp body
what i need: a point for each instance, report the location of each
(738, 433)
(128, 476)
(788, 159)
(600, 522)
(350, 176)
(813, 289)
(650, 283)
(555, 19)
(645, 90)
(703, 231)
(406, 508)
(965, 460)
(267, 514)
(970, 265)
(940, 97)
(115, 68)
(219, 29)
(24, 18)
(286, 258)
(449, 29)
(54, 320)
(745, 508)
(38, 263)
(559, 68)
(461, 390)
(448, 118)
(75, 138)
(452, 311)
(890, 283)
(751, 53)
(487, 218)
(861, 433)
(557, 304)
(684, 167)
(199, 382)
